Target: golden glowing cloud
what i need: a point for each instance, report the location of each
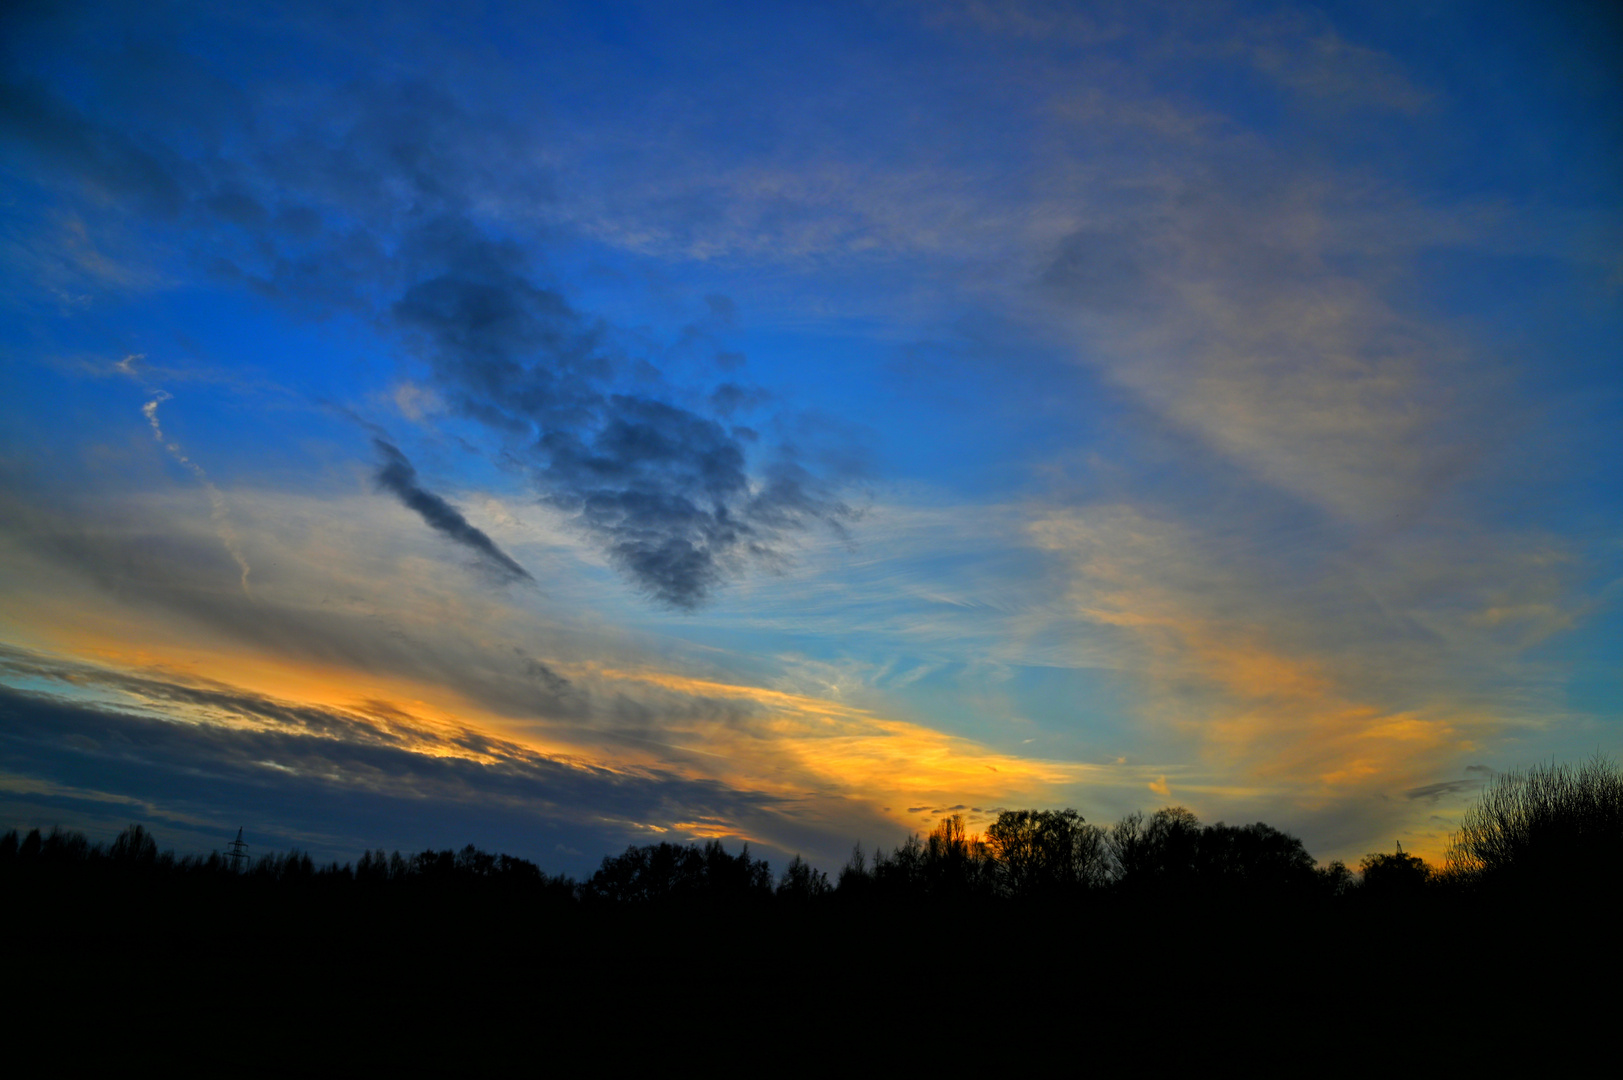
(1254, 682)
(436, 671)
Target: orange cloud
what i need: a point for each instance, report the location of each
(1263, 696)
(826, 756)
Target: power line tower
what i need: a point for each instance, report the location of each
(237, 852)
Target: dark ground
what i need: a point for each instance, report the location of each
(230, 979)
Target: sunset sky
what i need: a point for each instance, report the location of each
(554, 427)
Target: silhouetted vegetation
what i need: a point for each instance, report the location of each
(665, 937)
(670, 873)
(1552, 826)
(1548, 827)
(1394, 875)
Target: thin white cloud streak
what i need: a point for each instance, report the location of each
(219, 512)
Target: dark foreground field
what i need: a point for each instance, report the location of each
(1048, 946)
(220, 978)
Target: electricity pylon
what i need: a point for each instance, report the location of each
(237, 852)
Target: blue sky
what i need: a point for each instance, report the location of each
(563, 426)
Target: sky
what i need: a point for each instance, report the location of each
(555, 427)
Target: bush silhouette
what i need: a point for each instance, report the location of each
(1546, 826)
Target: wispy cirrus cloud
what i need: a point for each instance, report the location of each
(1333, 679)
(1227, 314)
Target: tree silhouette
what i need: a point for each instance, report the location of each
(900, 874)
(372, 868)
(1253, 858)
(1159, 854)
(1046, 852)
(1555, 829)
(854, 882)
(801, 883)
(1394, 874)
(671, 872)
(955, 863)
(134, 847)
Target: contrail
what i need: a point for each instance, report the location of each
(218, 510)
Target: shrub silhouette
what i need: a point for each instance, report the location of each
(1547, 826)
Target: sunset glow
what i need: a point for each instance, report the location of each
(571, 424)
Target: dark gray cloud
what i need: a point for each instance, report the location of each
(667, 490)
(1434, 792)
(375, 200)
(397, 475)
(1475, 777)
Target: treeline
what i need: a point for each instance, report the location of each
(1170, 936)
(1553, 829)
(1055, 854)
(134, 857)
(1024, 855)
